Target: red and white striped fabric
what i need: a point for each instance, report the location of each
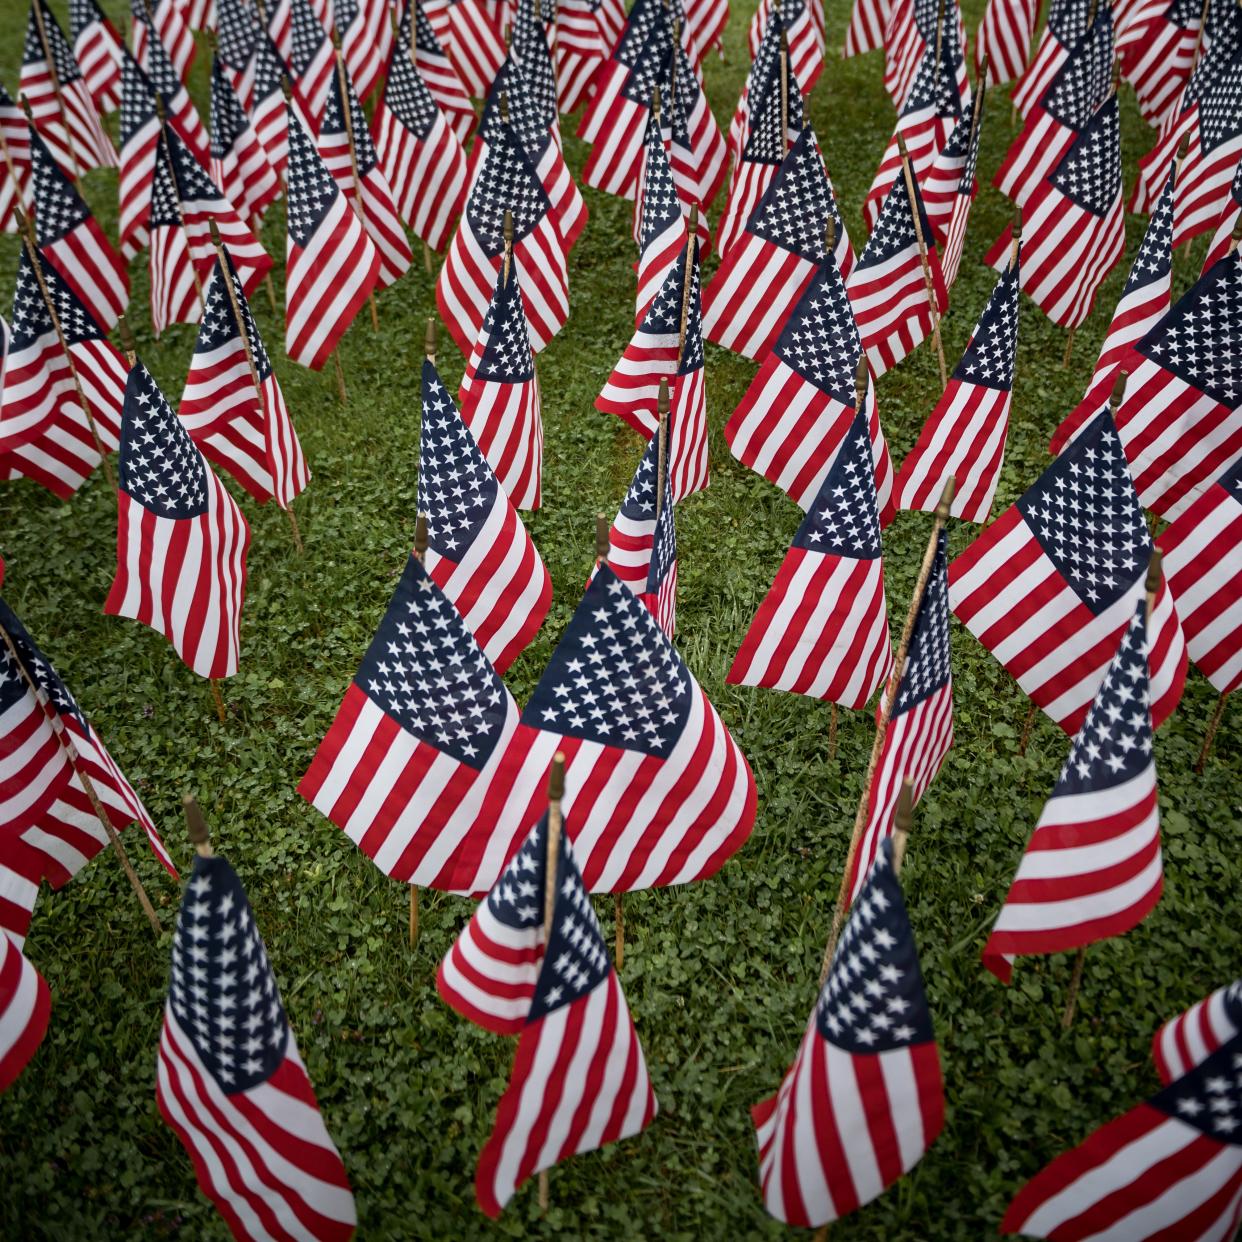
(910, 32)
(436, 70)
(1068, 21)
(1206, 174)
(331, 265)
(822, 628)
(241, 427)
(239, 32)
(250, 1124)
(632, 534)
(698, 153)
(1189, 1039)
(140, 135)
(170, 30)
(1221, 241)
(279, 22)
(868, 21)
(421, 156)
(965, 434)
(1092, 868)
(584, 37)
(471, 32)
(1203, 559)
(1003, 40)
(1157, 47)
(949, 188)
(97, 47)
(865, 1098)
(805, 40)
(25, 1006)
(66, 118)
(660, 220)
(269, 113)
(21, 873)
(239, 163)
(181, 538)
(312, 60)
(179, 110)
(200, 14)
(17, 138)
(1154, 165)
(507, 180)
(1051, 612)
(360, 45)
(705, 21)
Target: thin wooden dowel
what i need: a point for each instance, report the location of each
(832, 733)
(1069, 349)
(295, 531)
(687, 284)
(932, 306)
(271, 292)
(413, 916)
(427, 259)
(340, 374)
(1210, 736)
(176, 189)
(420, 553)
(1075, 986)
(218, 699)
(359, 204)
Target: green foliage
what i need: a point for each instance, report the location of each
(720, 975)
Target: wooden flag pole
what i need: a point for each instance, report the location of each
(903, 822)
(25, 225)
(507, 234)
(427, 258)
(176, 188)
(1152, 587)
(37, 10)
(556, 791)
(217, 698)
(886, 713)
(692, 241)
(420, 551)
(1210, 736)
(71, 754)
(340, 374)
(127, 339)
(908, 174)
(342, 81)
(196, 830)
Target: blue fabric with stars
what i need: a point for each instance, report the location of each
(406, 94)
(160, 70)
(639, 503)
(425, 670)
(1220, 111)
(663, 317)
(664, 540)
(928, 666)
(524, 116)
(613, 678)
(220, 325)
(894, 228)
(530, 50)
(1154, 260)
(13, 687)
(1231, 480)
(62, 55)
(507, 357)
(137, 98)
(992, 353)
(506, 182)
(661, 204)
(845, 518)
(307, 37)
(223, 990)
(765, 143)
(1069, 20)
(793, 213)
(516, 898)
(334, 121)
(311, 188)
(228, 117)
(651, 66)
(159, 465)
(1089, 173)
(1086, 515)
(165, 209)
(1209, 1096)
(1086, 77)
(31, 321)
(820, 338)
(193, 183)
(237, 32)
(643, 17)
(269, 70)
(59, 207)
(873, 999)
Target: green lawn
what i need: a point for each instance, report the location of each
(721, 975)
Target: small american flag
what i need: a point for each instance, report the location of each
(949, 188)
(1171, 1168)
(698, 153)
(470, 32)
(1004, 39)
(965, 434)
(435, 68)
(331, 265)
(868, 19)
(278, 18)
(531, 56)
(1222, 239)
(17, 137)
(269, 113)
(579, 1077)
(1203, 559)
(25, 1006)
(585, 34)
(660, 219)
(609, 98)
(864, 1099)
(632, 534)
(914, 26)
(181, 538)
(242, 428)
(178, 106)
(479, 553)
(230, 1082)
(1092, 868)
(500, 395)
(1190, 1038)
(361, 45)
(312, 62)
(803, 33)
(161, 22)
(1157, 44)
(237, 35)
(659, 592)
(1068, 21)
(1051, 585)
(239, 163)
(140, 134)
(97, 48)
(822, 628)
(1215, 148)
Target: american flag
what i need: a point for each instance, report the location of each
(1092, 868)
(360, 41)
(470, 32)
(632, 534)
(1215, 149)
(178, 106)
(1219, 246)
(25, 1006)
(1157, 45)
(1074, 224)
(1049, 587)
(230, 1082)
(887, 287)
(913, 27)
(1187, 1040)
(949, 190)
(237, 36)
(21, 873)
(408, 768)
(277, 16)
(479, 553)
(1203, 559)
(359, 176)
(500, 394)
(436, 70)
(420, 155)
(269, 113)
(864, 1099)
(239, 163)
(331, 265)
(162, 22)
(804, 35)
(626, 77)
(659, 592)
(181, 539)
(97, 48)
(72, 241)
(45, 434)
(1063, 111)
(241, 426)
(705, 23)
(1068, 21)
(140, 134)
(530, 55)
(920, 727)
(51, 80)
(585, 34)
(312, 61)
(697, 149)
(768, 268)
(200, 14)
(1003, 40)
(965, 434)
(868, 21)
(1171, 1167)
(660, 219)
(822, 628)
(795, 415)
(579, 1077)
(506, 181)
(17, 138)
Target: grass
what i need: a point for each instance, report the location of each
(721, 975)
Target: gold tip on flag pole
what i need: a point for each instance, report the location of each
(126, 334)
(903, 822)
(196, 830)
(429, 341)
(1119, 391)
(601, 538)
(830, 234)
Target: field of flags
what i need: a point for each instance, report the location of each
(726, 723)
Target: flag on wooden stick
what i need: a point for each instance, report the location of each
(97, 48)
(1003, 40)
(162, 22)
(660, 216)
(25, 1006)
(15, 183)
(239, 163)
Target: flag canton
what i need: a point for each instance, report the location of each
(1114, 743)
(991, 355)
(845, 518)
(308, 37)
(506, 182)
(160, 69)
(894, 230)
(652, 66)
(820, 339)
(534, 61)
(1068, 20)
(692, 346)
(926, 15)
(82, 13)
(311, 189)
(1089, 174)
(31, 321)
(269, 71)
(1154, 261)
(507, 356)
(1200, 339)
(219, 324)
(663, 317)
(765, 143)
(165, 208)
(426, 671)
(237, 33)
(1087, 518)
(406, 94)
(137, 98)
(794, 211)
(516, 899)
(425, 40)
(1184, 13)
(223, 990)
(1208, 1098)
(928, 667)
(873, 998)
(967, 183)
(1084, 79)
(643, 18)
(685, 98)
(614, 679)
(925, 92)
(160, 467)
(1231, 480)
(62, 56)
(524, 116)
(228, 119)
(664, 541)
(456, 487)
(660, 203)
(58, 206)
(13, 687)
(339, 98)
(1220, 111)
(193, 181)
(575, 959)
(639, 503)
